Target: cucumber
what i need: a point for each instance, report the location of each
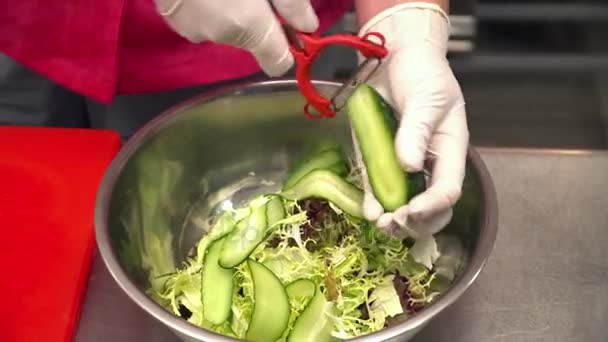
(417, 184)
(216, 287)
(325, 184)
(440, 283)
(249, 232)
(339, 168)
(319, 147)
(274, 211)
(374, 126)
(271, 308)
(313, 151)
(224, 225)
(301, 288)
(318, 160)
(313, 324)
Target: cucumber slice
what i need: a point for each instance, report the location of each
(301, 289)
(313, 324)
(271, 305)
(217, 284)
(319, 147)
(440, 283)
(313, 151)
(300, 292)
(329, 186)
(274, 211)
(373, 124)
(248, 234)
(340, 168)
(319, 160)
(224, 225)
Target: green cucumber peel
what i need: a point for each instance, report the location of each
(248, 234)
(217, 285)
(301, 289)
(331, 187)
(271, 310)
(340, 168)
(222, 227)
(275, 211)
(320, 159)
(417, 184)
(314, 323)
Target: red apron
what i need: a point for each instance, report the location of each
(103, 48)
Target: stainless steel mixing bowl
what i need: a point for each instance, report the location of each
(157, 196)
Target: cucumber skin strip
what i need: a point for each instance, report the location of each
(375, 135)
(302, 287)
(329, 186)
(238, 245)
(221, 285)
(278, 299)
(322, 160)
(312, 325)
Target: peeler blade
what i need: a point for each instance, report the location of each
(292, 38)
(363, 73)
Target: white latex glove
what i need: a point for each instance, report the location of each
(246, 24)
(418, 82)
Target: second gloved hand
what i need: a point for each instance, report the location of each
(416, 80)
(246, 24)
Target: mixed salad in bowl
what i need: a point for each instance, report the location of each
(302, 263)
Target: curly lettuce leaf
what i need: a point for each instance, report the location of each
(242, 301)
(184, 288)
(385, 298)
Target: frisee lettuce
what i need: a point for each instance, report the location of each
(385, 298)
(352, 262)
(242, 301)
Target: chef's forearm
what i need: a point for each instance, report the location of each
(366, 9)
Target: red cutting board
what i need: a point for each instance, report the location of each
(48, 183)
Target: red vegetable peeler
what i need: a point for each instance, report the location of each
(305, 48)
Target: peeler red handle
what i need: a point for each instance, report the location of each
(312, 45)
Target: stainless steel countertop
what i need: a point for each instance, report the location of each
(547, 278)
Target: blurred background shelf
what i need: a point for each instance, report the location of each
(534, 73)
(513, 10)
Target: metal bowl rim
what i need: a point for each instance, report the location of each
(489, 225)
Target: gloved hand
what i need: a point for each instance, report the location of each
(417, 81)
(246, 24)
